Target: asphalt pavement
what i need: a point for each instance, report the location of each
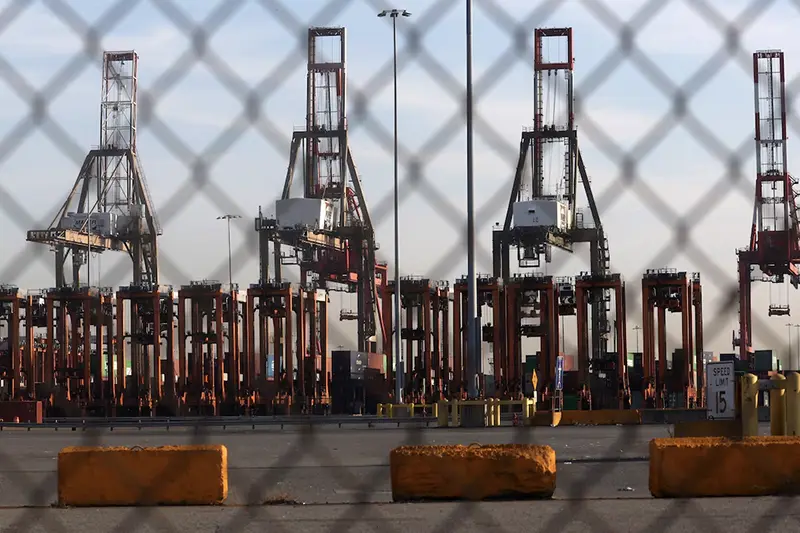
(335, 479)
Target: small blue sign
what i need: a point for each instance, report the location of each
(560, 372)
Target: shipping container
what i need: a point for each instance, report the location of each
(99, 223)
(312, 213)
(541, 213)
(570, 402)
(377, 361)
(764, 361)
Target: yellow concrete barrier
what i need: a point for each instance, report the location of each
(546, 418)
(167, 475)
(472, 472)
(602, 417)
(708, 428)
(709, 467)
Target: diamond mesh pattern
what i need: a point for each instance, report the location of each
(415, 50)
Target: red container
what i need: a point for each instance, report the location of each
(29, 412)
(377, 361)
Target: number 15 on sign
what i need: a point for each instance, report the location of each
(721, 390)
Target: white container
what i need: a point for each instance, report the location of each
(100, 223)
(541, 213)
(311, 213)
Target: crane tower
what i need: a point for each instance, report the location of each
(328, 229)
(109, 206)
(774, 239)
(542, 211)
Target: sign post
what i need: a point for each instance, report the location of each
(721, 390)
(560, 373)
(558, 394)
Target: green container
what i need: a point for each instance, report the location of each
(570, 402)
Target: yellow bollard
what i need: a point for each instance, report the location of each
(493, 406)
(380, 410)
(454, 413)
(749, 405)
(793, 404)
(442, 413)
(497, 412)
(777, 406)
(527, 407)
(390, 410)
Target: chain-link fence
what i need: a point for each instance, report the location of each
(644, 109)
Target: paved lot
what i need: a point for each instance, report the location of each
(337, 465)
(602, 485)
(612, 516)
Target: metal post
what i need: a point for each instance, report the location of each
(637, 329)
(399, 371)
(473, 344)
(797, 364)
(230, 259)
(228, 218)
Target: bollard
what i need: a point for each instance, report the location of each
(442, 414)
(380, 410)
(749, 405)
(777, 406)
(454, 413)
(527, 417)
(410, 410)
(494, 405)
(435, 407)
(390, 410)
(497, 411)
(793, 404)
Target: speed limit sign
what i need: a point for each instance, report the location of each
(721, 390)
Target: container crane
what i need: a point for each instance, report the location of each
(328, 229)
(774, 238)
(542, 211)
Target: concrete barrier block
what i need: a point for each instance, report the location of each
(718, 466)
(603, 417)
(513, 471)
(118, 476)
(546, 418)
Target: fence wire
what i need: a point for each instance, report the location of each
(203, 182)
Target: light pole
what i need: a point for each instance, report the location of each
(228, 219)
(399, 373)
(473, 329)
(637, 329)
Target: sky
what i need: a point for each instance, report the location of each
(695, 164)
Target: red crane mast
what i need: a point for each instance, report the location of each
(774, 244)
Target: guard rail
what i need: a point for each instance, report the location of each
(212, 423)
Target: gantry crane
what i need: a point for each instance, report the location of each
(109, 206)
(327, 229)
(542, 212)
(774, 239)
